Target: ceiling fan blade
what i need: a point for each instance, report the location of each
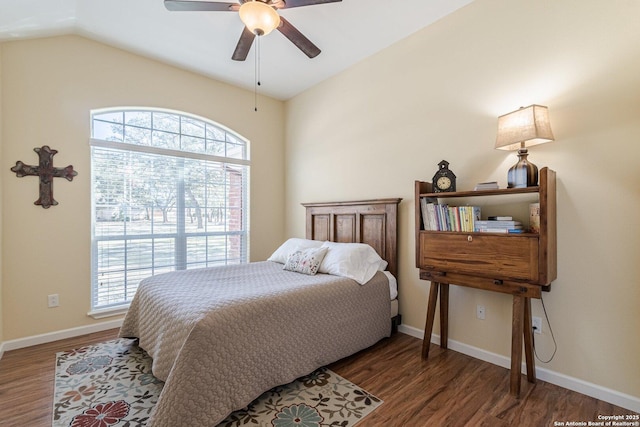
(297, 38)
(288, 4)
(244, 45)
(199, 6)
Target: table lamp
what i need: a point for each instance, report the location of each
(518, 130)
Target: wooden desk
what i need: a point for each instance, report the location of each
(522, 264)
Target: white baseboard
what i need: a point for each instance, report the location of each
(58, 335)
(602, 393)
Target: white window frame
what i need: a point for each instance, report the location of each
(146, 148)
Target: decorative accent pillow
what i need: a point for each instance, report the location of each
(306, 261)
(357, 261)
(291, 245)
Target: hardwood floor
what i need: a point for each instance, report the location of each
(450, 389)
(26, 380)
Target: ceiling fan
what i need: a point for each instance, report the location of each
(260, 18)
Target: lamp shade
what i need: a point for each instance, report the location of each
(259, 17)
(523, 128)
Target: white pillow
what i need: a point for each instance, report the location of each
(290, 246)
(306, 261)
(357, 261)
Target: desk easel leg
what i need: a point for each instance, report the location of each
(431, 312)
(516, 344)
(528, 342)
(444, 315)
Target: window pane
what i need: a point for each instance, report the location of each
(111, 257)
(218, 248)
(107, 131)
(193, 144)
(235, 249)
(133, 279)
(235, 147)
(166, 140)
(215, 147)
(135, 135)
(138, 118)
(215, 133)
(139, 254)
(112, 225)
(166, 122)
(235, 151)
(192, 127)
(117, 117)
(109, 287)
(163, 254)
(197, 251)
(215, 140)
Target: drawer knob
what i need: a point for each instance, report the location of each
(469, 238)
(497, 281)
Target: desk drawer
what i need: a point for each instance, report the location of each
(493, 256)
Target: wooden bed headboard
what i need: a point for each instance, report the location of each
(374, 222)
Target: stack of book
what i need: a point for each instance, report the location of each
(442, 217)
(499, 224)
(491, 185)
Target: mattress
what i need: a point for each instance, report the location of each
(393, 293)
(394, 308)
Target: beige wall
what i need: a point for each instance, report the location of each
(48, 88)
(374, 129)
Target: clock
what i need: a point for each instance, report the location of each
(444, 180)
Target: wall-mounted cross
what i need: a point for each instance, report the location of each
(46, 172)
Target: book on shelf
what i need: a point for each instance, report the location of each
(498, 224)
(490, 185)
(442, 217)
(427, 206)
(471, 215)
(500, 230)
(500, 218)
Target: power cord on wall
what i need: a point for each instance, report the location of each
(555, 345)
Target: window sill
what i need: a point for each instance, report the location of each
(101, 313)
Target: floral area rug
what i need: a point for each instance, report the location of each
(110, 384)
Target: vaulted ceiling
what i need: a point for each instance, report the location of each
(203, 42)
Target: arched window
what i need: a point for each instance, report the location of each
(169, 192)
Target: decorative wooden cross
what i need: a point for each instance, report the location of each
(46, 172)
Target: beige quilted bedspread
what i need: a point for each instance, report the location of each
(220, 337)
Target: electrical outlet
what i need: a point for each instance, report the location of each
(480, 312)
(537, 325)
(53, 300)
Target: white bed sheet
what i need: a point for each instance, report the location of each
(393, 285)
(393, 293)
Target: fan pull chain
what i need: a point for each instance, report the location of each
(257, 75)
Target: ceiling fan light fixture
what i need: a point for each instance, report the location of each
(259, 17)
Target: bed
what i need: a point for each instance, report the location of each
(227, 334)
